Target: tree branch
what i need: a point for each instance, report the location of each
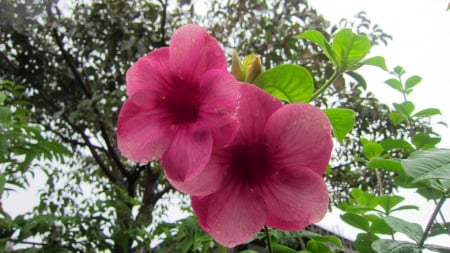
(104, 167)
(88, 92)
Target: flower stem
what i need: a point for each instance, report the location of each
(327, 84)
(269, 243)
(433, 217)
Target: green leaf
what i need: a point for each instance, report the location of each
(412, 81)
(439, 229)
(377, 61)
(317, 247)
(395, 84)
(388, 202)
(428, 164)
(321, 238)
(372, 149)
(318, 38)
(427, 113)
(437, 248)
(356, 221)
(405, 108)
(3, 98)
(391, 165)
(342, 121)
(412, 230)
(278, 248)
(378, 225)
(349, 49)
(2, 184)
(405, 207)
(397, 118)
(390, 144)
(363, 242)
(425, 141)
(287, 82)
(364, 199)
(390, 246)
(5, 115)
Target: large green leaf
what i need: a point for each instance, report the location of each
(342, 121)
(349, 49)
(428, 164)
(288, 82)
(412, 230)
(390, 246)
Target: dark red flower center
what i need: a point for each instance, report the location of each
(183, 104)
(250, 164)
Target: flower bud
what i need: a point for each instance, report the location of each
(248, 70)
(252, 67)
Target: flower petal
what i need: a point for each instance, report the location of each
(295, 198)
(149, 78)
(142, 134)
(219, 93)
(231, 216)
(300, 135)
(255, 108)
(188, 152)
(210, 179)
(193, 51)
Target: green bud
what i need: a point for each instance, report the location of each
(236, 67)
(248, 70)
(252, 67)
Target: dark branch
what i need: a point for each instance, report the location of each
(103, 166)
(163, 22)
(88, 92)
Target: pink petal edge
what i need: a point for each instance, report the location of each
(295, 198)
(300, 135)
(188, 152)
(142, 134)
(232, 216)
(193, 52)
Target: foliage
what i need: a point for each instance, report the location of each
(71, 64)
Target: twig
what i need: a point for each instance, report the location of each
(269, 242)
(433, 217)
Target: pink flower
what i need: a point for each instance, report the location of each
(181, 103)
(270, 174)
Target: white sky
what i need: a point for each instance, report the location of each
(421, 44)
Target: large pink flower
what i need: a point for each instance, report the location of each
(270, 174)
(181, 103)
